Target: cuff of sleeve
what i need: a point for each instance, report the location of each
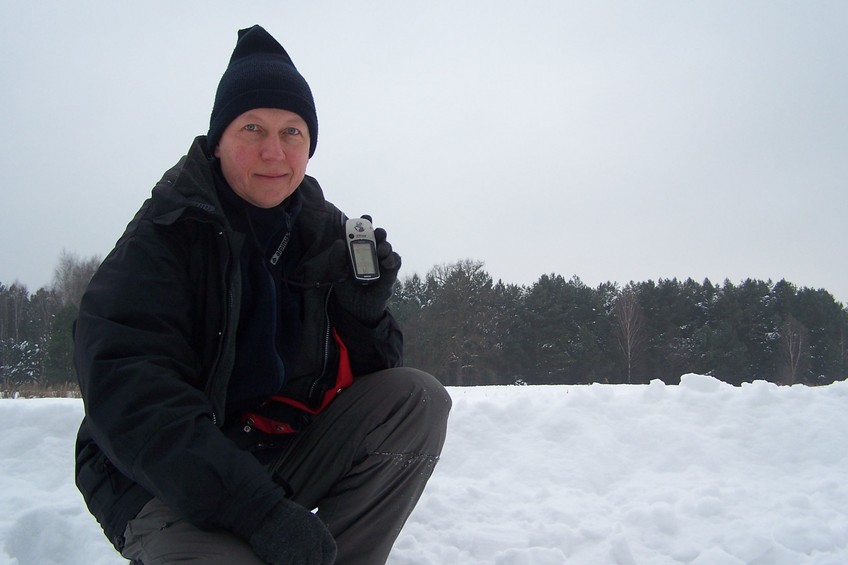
(254, 515)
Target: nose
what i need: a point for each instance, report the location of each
(273, 149)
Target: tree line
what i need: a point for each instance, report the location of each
(36, 342)
(466, 329)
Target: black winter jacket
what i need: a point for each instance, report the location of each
(154, 348)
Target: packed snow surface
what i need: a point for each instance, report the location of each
(701, 473)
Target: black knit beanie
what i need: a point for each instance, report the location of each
(260, 75)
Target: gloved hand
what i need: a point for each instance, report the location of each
(292, 535)
(367, 302)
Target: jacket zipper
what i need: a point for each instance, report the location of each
(275, 258)
(327, 325)
(326, 351)
(223, 332)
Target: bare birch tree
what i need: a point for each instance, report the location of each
(72, 275)
(628, 326)
(795, 343)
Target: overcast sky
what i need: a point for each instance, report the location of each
(615, 141)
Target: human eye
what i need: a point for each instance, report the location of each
(251, 127)
(292, 131)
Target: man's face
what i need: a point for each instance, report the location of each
(263, 155)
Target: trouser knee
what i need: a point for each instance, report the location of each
(424, 387)
(424, 404)
(434, 400)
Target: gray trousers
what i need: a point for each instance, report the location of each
(363, 463)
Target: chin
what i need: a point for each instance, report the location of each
(272, 202)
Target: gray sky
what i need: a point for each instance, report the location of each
(614, 141)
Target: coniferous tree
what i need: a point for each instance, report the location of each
(454, 336)
(725, 353)
(545, 331)
(822, 316)
(757, 326)
(508, 365)
(59, 361)
(565, 331)
(20, 359)
(672, 314)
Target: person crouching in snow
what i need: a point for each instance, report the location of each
(235, 376)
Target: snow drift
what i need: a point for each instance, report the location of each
(701, 473)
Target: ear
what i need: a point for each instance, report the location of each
(217, 151)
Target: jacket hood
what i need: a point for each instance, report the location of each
(184, 189)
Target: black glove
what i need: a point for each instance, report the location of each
(367, 302)
(292, 535)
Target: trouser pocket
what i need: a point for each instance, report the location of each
(152, 519)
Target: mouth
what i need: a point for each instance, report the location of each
(272, 176)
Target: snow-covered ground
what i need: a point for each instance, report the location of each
(701, 473)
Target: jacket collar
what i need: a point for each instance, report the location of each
(188, 189)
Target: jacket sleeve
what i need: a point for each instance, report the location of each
(371, 349)
(321, 225)
(141, 379)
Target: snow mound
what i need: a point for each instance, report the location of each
(701, 473)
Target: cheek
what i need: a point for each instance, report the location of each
(302, 161)
(239, 162)
(234, 167)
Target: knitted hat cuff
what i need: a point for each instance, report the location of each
(263, 99)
